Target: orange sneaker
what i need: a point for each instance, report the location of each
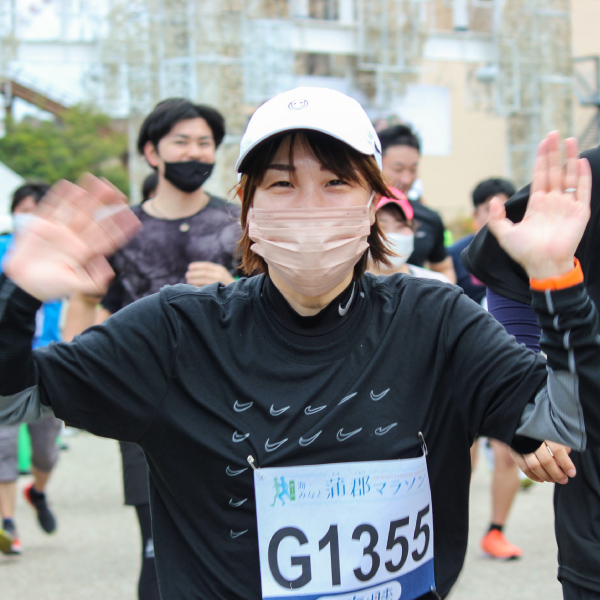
(9, 542)
(497, 546)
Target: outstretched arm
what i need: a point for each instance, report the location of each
(550, 462)
(62, 251)
(544, 243)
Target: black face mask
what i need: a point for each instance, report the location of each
(188, 176)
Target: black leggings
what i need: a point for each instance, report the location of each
(148, 583)
(571, 591)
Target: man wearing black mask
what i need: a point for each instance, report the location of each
(187, 236)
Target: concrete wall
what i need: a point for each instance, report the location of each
(478, 146)
(585, 19)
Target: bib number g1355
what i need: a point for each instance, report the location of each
(347, 531)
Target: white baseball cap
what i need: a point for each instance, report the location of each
(319, 109)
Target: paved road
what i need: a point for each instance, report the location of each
(94, 554)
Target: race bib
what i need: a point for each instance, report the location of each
(349, 531)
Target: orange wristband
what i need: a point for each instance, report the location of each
(573, 277)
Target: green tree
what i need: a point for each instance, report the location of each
(81, 140)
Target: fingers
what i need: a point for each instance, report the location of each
(521, 461)
(550, 462)
(540, 173)
(554, 163)
(561, 457)
(95, 212)
(109, 212)
(551, 175)
(498, 224)
(95, 277)
(549, 172)
(545, 465)
(571, 178)
(584, 186)
(204, 273)
(522, 464)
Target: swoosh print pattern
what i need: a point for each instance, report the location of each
(272, 447)
(384, 430)
(238, 437)
(236, 504)
(346, 398)
(342, 437)
(229, 471)
(310, 440)
(376, 397)
(279, 411)
(238, 407)
(309, 410)
(236, 534)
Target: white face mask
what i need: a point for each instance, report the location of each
(21, 221)
(403, 245)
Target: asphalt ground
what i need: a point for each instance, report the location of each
(94, 555)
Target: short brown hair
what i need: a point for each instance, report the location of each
(336, 156)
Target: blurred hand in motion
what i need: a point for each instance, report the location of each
(544, 242)
(64, 248)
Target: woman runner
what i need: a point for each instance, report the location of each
(307, 430)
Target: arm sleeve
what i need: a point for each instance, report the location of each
(492, 377)
(544, 415)
(519, 319)
(525, 400)
(567, 410)
(111, 380)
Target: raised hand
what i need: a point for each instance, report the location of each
(544, 242)
(64, 248)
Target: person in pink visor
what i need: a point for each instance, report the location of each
(395, 216)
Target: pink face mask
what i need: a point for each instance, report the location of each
(311, 250)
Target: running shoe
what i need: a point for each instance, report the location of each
(497, 546)
(9, 542)
(45, 517)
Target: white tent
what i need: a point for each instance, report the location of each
(9, 181)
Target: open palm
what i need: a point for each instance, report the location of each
(544, 242)
(64, 248)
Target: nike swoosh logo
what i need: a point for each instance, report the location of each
(238, 437)
(310, 440)
(311, 411)
(233, 473)
(279, 411)
(376, 397)
(236, 534)
(384, 430)
(343, 310)
(274, 445)
(242, 407)
(346, 398)
(236, 504)
(341, 437)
